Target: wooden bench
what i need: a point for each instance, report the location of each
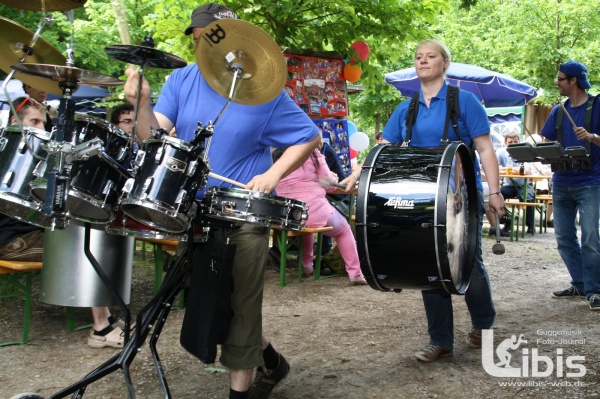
(283, 247)
(545, 199)
(15, 282)
(514, 209)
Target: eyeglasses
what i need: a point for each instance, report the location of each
(126, 121)
(25, 101)
(561, 79)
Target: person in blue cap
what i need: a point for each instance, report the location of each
(577, 190)
(239, 150)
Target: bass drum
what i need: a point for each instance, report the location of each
(416, 218)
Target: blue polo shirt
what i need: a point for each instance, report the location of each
(575, 178)
(429, 125)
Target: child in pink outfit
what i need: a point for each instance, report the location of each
(305, 184)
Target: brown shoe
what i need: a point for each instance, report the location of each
(474, 338)
(431, 353)
(27, 248)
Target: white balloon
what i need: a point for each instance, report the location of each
(359, 141)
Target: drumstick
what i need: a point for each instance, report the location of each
(235, 183)
(328, 183)
(568, 116)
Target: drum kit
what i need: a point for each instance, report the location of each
(90, 171)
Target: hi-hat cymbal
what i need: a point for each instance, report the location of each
(146, 56)
(51, 5)
(15, 45)
(227, 43)
(59, 73)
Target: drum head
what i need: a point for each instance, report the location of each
(26, 211)
(416, 218)
(155, 215)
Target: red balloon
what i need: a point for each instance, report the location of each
(352, 73)
(353, 153)
(362, 49)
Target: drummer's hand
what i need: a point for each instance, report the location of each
(349, 182)
(131, 87)
(497, 204)
(264, 183)
(581, 133)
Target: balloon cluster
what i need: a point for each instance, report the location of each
(358, 140)
(352, 72)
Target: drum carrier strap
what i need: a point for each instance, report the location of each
(452, 113)
(588, 118)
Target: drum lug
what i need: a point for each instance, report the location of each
(40, 169)
(108, 187)
(8, 179)
(139, 158)
(3, 142)
(23, 146)
(128, 185)
(193, 166)
(147, 187)
(159, 154)
(181, 197)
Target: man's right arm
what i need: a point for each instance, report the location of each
(147, 120)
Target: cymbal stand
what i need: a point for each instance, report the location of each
(28, 50)
(205, 134)
(148, 42)
(152, 316)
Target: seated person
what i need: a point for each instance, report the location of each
(513, 186)
(303, 185)
(334, 164)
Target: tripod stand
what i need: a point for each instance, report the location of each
(152, 317)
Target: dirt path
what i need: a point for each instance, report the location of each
(342, 342)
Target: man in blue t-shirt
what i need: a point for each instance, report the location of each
(577, 190)
(240, 151)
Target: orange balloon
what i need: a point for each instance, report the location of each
(352, 73)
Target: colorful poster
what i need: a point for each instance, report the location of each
(335, 133)
(317, 85)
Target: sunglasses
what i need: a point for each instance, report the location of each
(25, 101)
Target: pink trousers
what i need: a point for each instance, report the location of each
(345, 243)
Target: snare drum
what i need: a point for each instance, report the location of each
(162, 192)
(253, 207)
(95, 183)
(21, 158)
(416, 218)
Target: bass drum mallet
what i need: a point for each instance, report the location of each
(498, 247)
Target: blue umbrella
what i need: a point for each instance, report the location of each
(494, 89)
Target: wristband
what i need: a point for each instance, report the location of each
(496, 193)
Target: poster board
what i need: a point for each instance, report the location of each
(317, 85)
(335, 133)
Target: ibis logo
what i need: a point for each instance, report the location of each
(512, 358)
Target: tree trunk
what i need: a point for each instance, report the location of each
(119, 10)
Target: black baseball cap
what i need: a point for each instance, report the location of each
(208, 13)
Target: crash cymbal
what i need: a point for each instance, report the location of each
(15, 44)
(146, 56)
(228, 42)
(51, 5)
(59, 73)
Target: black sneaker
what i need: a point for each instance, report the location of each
(267, 379)
(570, 292)
(595, 302)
